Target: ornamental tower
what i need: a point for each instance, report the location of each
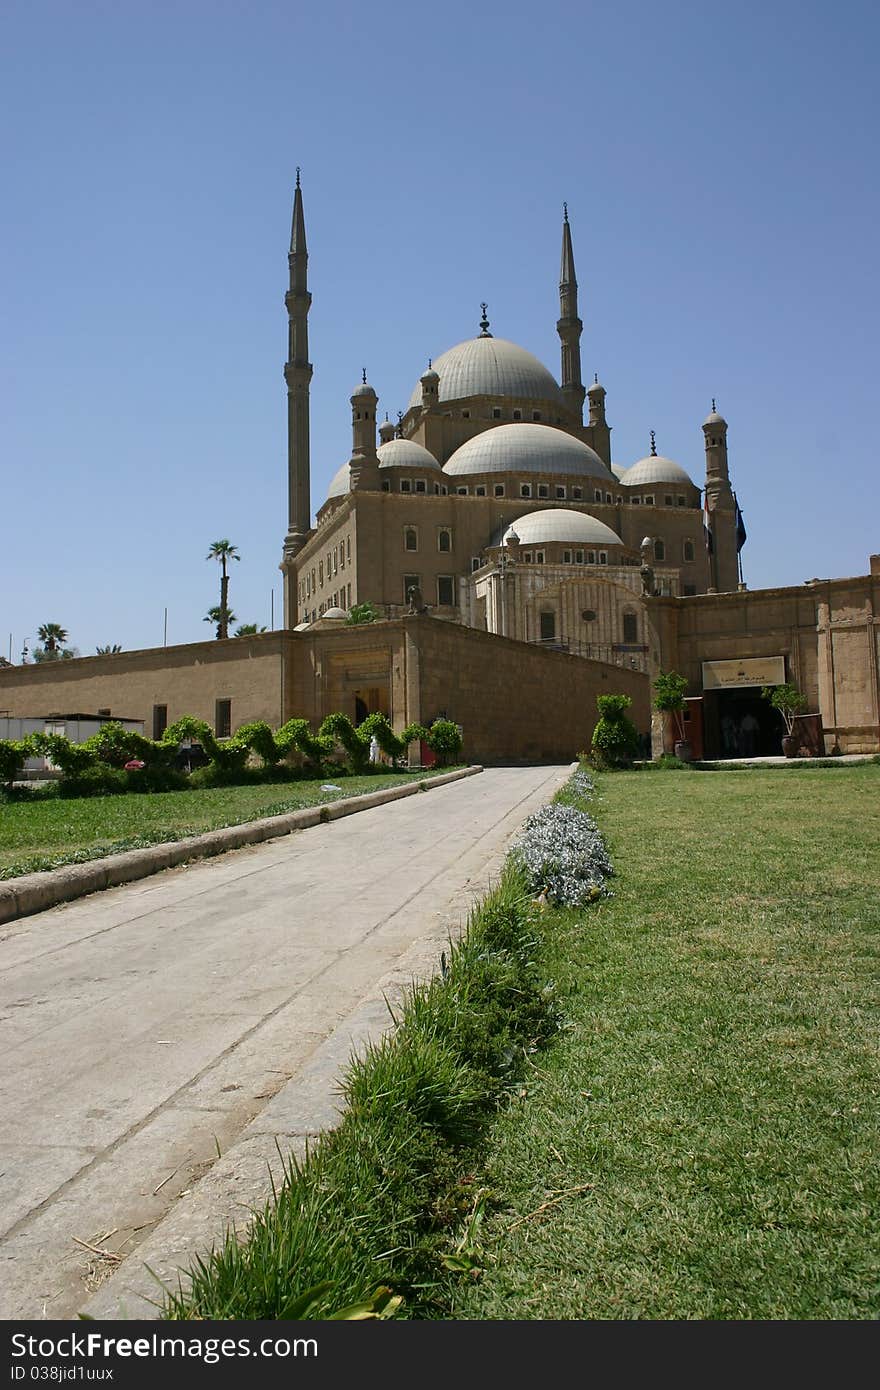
(569, 327)
(298, 376)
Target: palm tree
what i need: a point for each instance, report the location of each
(222, 552)
(246, 629)
(52, 636)
(109, 650)
(215, 615)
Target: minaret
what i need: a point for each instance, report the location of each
(719, 505)
(298, 375)
(569, 326)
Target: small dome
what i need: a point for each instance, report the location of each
(405, 453)
(490, 367)
(301, 627)
(364, 389)
(336, 613)
(522, 448)
(559, 525)
(655, 469)
(714, 419)
(430, 376)
(596, 389)
(340, 483)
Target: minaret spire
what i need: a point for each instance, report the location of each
(298, 375)
(569, 326)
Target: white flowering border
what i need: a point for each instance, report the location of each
(561, 851)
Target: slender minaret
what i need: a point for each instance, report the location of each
(298, 375)
(569, 326)
(364, 462)
(719, 505)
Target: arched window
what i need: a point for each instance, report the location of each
(630, 627)
(659, 550)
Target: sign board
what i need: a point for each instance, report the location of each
(741, 675)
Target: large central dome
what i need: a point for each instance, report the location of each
(522, 448)
(487, 366)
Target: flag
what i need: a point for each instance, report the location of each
(741, 533)
(707, 527)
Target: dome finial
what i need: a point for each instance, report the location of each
(364, 375)
(430, 364)
(297, 176)
(595, 378)
(484, 322)
(565, 212)
(653, 446)
(400, 424)
(713, 405)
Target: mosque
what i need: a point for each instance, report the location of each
(517, 572)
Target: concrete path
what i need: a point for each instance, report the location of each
(163, 1040)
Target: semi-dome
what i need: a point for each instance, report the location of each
(655, 469)
(395, 453)
(335, 613)
(558, 525)
(405, 453)
(488, 366)
(522, 448)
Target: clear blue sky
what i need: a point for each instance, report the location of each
(720, 164)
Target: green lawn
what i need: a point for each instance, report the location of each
(43, 834)
(703, 1140)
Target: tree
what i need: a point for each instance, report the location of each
(223, 552)
(788, 700)
(669, 688)
(362, 613)
(52, 636)
(615, 738)
(216, 616)
(246, 629)
(109, 650)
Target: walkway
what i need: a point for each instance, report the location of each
(149, 1029)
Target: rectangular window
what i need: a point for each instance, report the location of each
(608, 498)
(406, 485)
(579, 557)
(496, 412)
(462, 491)
(386, 485)
(410, 581)
(421, 485)
(525, 490)
(160, 721)
(499, 489)
(577, 493)
(630, 627)
(527, 557)
(445, 590)
(480, 490)
(349, 595)
(335, 560)
(539, 557)
(342, 555)
(560, 492)
(543, 490)
(548, 627)
(682, 501)
(465, 415)
(536, 414)
(649, 501)
(348, 548)
(597, 495)
(476, 563)
(667, 500)
(566, 557)
(410, 538)
(603, 557)
(517, 415)
(688, 550)
(223, 718)
(591, 557)
(321, 572)
(636, 501)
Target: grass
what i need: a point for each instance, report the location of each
(375, 1202)
(44, 834)
(702, 1143)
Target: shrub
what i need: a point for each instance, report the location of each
(669, 688)
(98, 780)
(444, 740)
(788, 700)
(561, 853)
(615, 740)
